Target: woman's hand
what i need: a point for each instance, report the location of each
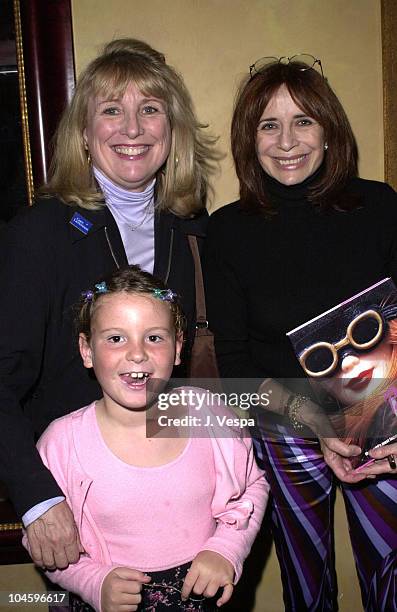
(337, 456)
(53, 538)
(209, 571)
(121, 590)
(336, 453)
(386, 459)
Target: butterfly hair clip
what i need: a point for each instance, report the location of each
(166, 295)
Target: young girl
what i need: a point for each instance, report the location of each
(165, 521)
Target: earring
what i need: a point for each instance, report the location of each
(87, 152)
(326, 146)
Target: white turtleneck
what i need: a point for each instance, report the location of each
(133, 212)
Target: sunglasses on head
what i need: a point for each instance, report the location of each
(363, 333)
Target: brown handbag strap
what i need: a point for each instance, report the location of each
(201, 313)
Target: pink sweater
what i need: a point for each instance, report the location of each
(229, 496)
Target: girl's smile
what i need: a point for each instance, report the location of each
(132, 341)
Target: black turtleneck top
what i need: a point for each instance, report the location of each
(265, 275)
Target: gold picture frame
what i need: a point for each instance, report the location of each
(45, 66)
(389, 67)
(46, 72)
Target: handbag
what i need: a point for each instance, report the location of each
(203, 364)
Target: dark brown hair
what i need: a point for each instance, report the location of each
(130, 279)
(311, 92)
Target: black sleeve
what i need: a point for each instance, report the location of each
(387, 211)
(227, 305)
(25, 280)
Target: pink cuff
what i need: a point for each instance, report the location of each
(237, 515)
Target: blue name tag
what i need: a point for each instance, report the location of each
(80, 223)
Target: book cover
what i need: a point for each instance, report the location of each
(349, 354)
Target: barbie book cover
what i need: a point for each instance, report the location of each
(350, 355)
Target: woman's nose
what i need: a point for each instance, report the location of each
(132, 125)
(348, 362)
(287, 138)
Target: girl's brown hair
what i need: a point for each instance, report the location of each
(131, 280)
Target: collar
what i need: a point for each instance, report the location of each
(285, 194)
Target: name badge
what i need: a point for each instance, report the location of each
(80, 223)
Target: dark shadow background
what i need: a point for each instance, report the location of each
(13, 194)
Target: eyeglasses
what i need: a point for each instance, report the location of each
(303, 58)
(363, 333)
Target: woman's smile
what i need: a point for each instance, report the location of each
(129, 137)
(289, 143)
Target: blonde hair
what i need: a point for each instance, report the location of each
(182, 183)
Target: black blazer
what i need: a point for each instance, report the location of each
(45, 264)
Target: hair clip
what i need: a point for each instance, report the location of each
(87, 295)
(101, 287)
(166, 295)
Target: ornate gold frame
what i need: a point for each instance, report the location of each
(389, 62)
(23, 103)
(44, 40)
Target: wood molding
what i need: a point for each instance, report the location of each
(48, 59)
(389, 63)
(44, 40)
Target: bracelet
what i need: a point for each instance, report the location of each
(293, 404)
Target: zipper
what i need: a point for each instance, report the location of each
(111, 248)
(169, 256)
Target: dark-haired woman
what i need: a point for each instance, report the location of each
(305, 235)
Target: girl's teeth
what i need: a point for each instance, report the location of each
(139, 375)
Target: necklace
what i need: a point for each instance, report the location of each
(148, 212)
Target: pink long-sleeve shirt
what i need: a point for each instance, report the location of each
(211, 497)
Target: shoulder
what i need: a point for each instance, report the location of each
(377, 203)
(228, 212)
(196, 226)
(231, 218)
(231, 228)
(224, 221)
(61, 429)
(41, 221)
(44, 209)
(372, 191)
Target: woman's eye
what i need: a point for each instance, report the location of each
(305, 122)
(267, 126)
(150, 109)
(111, 110)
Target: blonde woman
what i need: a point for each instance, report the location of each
(128, 185)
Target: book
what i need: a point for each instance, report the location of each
(349, 354)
